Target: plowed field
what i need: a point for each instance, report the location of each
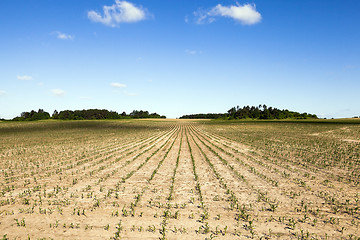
(175, 179)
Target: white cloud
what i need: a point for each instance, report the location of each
(2, 92)
(120, 12)
(63, 36)
(245, 14)
(58, 92)
(118, 85)
(24, 78)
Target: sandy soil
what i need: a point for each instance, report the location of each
(179, 183)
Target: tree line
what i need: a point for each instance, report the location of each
(204, 116)
(89, 114)
(254, 112)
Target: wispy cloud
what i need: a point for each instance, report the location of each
(130, 94)
(351, 66)
(245, 14)
(120, 12)
(24, 77)
(186, 19)
(85, 98)
(192, 52)
(63, 36)
(58, 92)
(118, 85)
(2, 92)
(202, 16)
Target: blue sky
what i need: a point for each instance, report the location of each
(180, 57)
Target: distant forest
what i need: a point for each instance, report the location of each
(247, 112)
(84, 115)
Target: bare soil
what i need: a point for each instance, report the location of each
(172, 180)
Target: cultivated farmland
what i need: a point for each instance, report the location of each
(178, 179)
